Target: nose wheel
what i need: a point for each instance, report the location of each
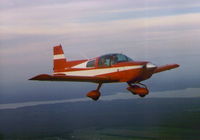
(138, 89)
(142, 95)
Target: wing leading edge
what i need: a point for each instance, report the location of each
(166, 67)
(96, 79)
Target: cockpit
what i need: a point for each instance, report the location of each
(111, 59)
(108, 60)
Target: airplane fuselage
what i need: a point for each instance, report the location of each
(121, 72)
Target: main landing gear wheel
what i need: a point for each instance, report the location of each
(95, 94)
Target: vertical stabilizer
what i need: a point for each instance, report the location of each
(59, 60)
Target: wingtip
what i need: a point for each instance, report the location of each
(176, 65)
(31, 78)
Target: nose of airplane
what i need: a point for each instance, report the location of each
(150, 65)
(148, 70)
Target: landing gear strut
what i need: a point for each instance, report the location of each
(138, 89)
(95, 94)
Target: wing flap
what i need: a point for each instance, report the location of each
(166, 67)
(46, 77)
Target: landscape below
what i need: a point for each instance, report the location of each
(150, 118)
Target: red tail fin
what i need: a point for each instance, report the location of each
(59, 60)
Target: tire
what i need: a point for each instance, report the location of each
(142, 95)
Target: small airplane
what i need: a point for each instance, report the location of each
(109, 68)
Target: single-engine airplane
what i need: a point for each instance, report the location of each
(109, 68)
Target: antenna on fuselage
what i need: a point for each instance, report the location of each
(83, 55)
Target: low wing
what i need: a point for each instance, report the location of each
(165, 67)
(95, 79)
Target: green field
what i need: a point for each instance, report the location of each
(148, 119)
(136, 133)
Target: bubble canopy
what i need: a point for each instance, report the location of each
(111, 59)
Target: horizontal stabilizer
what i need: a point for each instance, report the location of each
(46, 77)
(166, 67)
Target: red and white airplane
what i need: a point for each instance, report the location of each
(109, 68)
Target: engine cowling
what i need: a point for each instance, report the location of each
(137, 90)
(94, 94)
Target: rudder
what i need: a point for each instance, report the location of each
(59, 60)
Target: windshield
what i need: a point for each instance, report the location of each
(111, 59)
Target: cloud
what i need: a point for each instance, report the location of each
(140, 29)
(155, 24)
(61, 17)
(156, 34)
(145, 28)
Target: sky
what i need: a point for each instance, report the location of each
(160, 31)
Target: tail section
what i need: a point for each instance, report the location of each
(59, 60)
